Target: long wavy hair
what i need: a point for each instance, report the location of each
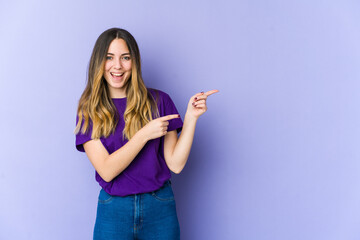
(95, 102)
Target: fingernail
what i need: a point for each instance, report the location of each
(178, 115)
(196, 98)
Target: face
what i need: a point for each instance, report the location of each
(117, 68)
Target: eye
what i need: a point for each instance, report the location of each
(108, 57)
(127, 58)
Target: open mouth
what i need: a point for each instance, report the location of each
(117, 74)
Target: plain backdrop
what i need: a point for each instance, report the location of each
(276, 156)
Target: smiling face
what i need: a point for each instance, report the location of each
(117, 70)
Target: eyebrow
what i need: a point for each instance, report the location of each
(120, 55)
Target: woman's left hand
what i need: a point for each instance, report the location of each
(197, 104)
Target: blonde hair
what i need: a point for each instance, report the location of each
(95, 102)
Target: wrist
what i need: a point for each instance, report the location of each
(141, 136)
(189, 117)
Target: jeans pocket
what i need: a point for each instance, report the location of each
(104, 197)
(165, 193)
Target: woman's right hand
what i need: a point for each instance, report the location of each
(157, 127)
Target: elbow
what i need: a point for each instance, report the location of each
(106, 177)
(105, 172)
(177, 170)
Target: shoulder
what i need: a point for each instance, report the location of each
(158, 94)
(156, 91)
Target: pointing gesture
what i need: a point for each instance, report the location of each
(157, 127)
(197, 104)
(168, 117)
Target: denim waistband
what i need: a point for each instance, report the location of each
(165, 184)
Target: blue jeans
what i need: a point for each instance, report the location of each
(139, 216)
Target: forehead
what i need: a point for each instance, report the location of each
(118, 46)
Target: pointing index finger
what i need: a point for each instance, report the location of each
(169, 117)
(211, 92)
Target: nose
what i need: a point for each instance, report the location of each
(117, 64)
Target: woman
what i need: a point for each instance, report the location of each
(129, 133)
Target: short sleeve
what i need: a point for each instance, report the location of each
(169, 108)
(80, 138)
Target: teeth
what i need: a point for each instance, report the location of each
(117, 75)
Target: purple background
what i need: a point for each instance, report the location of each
(276, 156)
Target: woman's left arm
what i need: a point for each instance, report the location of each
(176, 151)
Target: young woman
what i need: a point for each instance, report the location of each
(129, 133)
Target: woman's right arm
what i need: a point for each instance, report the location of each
(108, 165)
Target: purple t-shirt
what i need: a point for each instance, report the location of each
(148, 171)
